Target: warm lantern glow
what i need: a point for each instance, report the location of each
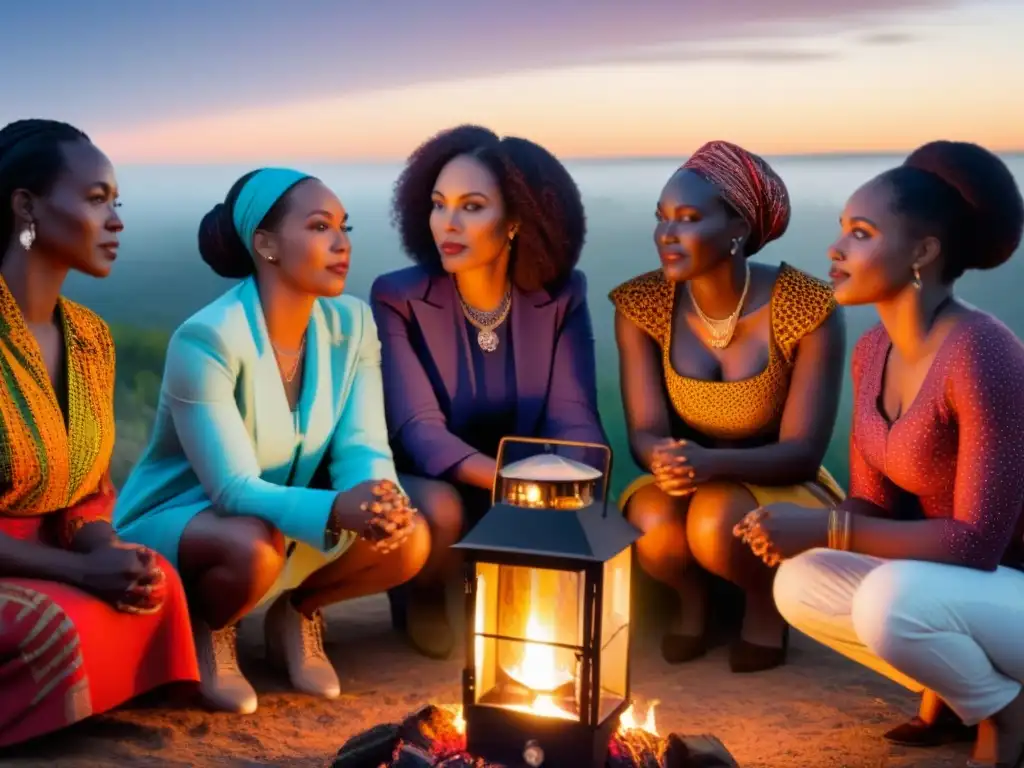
(538, 670)
(627, 722)
(532, 493)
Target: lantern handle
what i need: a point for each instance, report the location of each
(548, 442)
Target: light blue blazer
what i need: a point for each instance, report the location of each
(225, 438)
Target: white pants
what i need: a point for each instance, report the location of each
(956, 631)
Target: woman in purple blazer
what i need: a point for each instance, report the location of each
(488, 335)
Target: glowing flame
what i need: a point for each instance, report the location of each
(538, 669)
(628, 721)
(532, 494)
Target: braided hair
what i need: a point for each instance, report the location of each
(30, 158)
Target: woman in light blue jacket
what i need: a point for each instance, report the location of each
(268, 475)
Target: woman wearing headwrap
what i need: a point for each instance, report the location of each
(731, 374)
(919, 575)
(269, 476)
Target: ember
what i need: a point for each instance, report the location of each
(434, 737)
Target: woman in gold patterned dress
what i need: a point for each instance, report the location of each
(86, 621)
(731, 374)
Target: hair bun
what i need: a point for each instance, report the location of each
(221, 247)
(987, 187)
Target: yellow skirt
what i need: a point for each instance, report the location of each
(821, 493)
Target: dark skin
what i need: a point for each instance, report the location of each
(873, 263)
(229, 562)
(468, 210)
(77, 226)
(687, 516)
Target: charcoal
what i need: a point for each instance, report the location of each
(368, 749)
(699, 751)
(427, 738)
(459, 761)
(425, 726)
(411, 756)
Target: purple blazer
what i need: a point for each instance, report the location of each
(424, 342)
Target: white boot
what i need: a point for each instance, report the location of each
(295, 643)
(222, 683)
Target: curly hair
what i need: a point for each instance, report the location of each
(537, 190)
(964, 195)
(30, 158)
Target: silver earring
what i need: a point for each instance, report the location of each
(916, 282)
(735, 246)
(27, 236)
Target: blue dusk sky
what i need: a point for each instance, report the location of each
(232, 80)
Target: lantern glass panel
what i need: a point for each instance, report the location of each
(534, 617)
(615, 629)
(547, 495)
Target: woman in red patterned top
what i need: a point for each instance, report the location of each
(923, 580)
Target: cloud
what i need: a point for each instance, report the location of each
(193, 57)
(888, 38)
(735, 55)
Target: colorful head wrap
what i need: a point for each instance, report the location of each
(257, 197)
(748, 184)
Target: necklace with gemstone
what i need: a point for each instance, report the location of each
(721, 331)
(486, 322)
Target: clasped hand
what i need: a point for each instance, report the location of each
(779, 531)
(127, 576)
(679, 466)
(379, 512)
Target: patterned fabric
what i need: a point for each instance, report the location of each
(957, 451)
(44, 656)
(731, 410)
(749, 185)
(64, 654)
(48, 463)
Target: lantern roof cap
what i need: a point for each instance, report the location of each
(550, 468)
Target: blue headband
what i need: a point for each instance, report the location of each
(258, 195)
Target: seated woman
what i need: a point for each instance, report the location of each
(923, 579)
(731, 375)
(488, 335)
(86, 622)
(275, 380)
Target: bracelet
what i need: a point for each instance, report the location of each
(844, 538)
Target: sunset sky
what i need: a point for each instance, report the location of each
(281, 80)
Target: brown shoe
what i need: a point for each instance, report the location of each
(221, 683)
(295, 643)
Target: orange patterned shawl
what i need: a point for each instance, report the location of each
(49, 463)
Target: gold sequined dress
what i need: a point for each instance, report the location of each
(748, 409)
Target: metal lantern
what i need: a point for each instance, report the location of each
(548, 575)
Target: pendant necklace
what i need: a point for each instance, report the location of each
(486, 322)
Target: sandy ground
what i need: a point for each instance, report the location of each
(819, 711)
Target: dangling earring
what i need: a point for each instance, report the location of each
(916, 282)
(512, 234)
(735, 246)
(27, 236)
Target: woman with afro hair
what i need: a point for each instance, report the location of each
(487, 335)
(919, 575)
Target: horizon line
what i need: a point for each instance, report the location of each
(381, 160)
